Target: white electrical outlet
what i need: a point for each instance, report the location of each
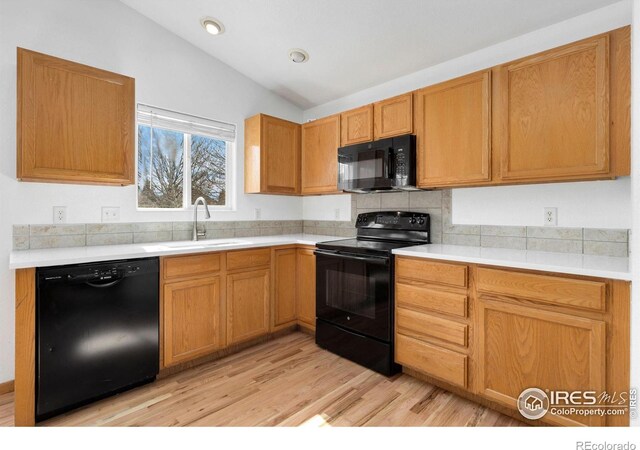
(59, 214)
(551, 217)
(110, 214)
(336, 214)
(257, 213)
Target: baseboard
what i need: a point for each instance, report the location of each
(6, 387)
(306, 328)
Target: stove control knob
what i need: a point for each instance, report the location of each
(412, 221)
(420, 221)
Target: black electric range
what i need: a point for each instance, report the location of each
(355, 289)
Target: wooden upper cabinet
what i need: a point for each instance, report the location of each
(522, 347)
(552, 113)
(271, 156)
(356, 125)
(453, 132)
(320, 142)
(76, 124)
(393, 116)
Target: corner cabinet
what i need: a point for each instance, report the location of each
(306, 288)
(453, 132)
(283, 282)
(271, 156)
(76, 124)
(320, 142)
(560, 115)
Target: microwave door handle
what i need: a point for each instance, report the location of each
(391, 162)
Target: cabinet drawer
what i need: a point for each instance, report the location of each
(248, 258)
(438, 362)
(431, 299)
(431, 271)
(417, 324)
(191, 265)
(560, 291)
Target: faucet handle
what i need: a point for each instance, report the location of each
(202, 233)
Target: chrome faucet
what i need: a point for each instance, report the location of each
(196, 233)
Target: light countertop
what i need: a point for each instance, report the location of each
(613, 267)
(21, 259)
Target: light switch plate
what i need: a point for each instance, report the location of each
(110, 214)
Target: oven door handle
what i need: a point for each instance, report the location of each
(370, 259)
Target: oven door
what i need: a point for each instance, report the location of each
(366, 167)
(354, 292)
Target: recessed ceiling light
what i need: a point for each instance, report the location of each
(297, 55)
(213, 26)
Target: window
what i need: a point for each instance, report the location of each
(181, 158)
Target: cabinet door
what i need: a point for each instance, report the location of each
(284, 287)
(522, 347)
(453, 132)
(552, 113)
(356, 125)
(281, 156)
(320, 142)
(192, 319)
(393, 116)
(247, 305)
(75, 122)
(307, 287)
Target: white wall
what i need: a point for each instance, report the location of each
(169, 73)
(587, 204)
(595, 204)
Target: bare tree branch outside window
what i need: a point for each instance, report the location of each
(161, 157)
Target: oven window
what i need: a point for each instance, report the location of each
(362, 165)
(350, 289)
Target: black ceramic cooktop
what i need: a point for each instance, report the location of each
(368, 246)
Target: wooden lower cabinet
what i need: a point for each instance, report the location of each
(306, 288)
(283, 282)
(248, 304)
(522, 347)
(520, 329)
(192, 319)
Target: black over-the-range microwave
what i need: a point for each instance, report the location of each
(387, 164)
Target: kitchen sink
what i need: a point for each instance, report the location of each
(200, 244)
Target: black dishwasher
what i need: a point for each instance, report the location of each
(96, 331)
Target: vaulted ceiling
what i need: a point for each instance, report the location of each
(353, 44)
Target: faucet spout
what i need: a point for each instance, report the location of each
(196, 233)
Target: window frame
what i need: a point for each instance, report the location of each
(187, 205)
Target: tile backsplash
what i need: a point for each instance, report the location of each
(591, 241)
(79, 235)
(610, 242)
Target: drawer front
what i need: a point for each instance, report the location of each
(431, 299)
(560, 291)
(248, 258)
(418, 325)
(438, 362)
(192, 265)
(432, 272)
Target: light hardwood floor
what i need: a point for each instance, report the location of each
(285, 382)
